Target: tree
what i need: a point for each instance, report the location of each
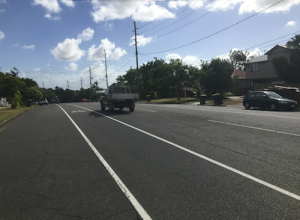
(217, 76)
(10, 88)
(14, 72)
(289, 70)
(240, 58)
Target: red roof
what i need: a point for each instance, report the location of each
(240, 73)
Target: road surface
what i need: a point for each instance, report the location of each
(73, 161)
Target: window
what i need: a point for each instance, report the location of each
(260, 94)
(254, 67)
(252, 95)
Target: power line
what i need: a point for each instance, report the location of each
(188, 22)
(170, 19)
(218, 31)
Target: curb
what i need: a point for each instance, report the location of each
(7, 122)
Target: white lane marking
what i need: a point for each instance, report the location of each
(276, 188)
(145, 110)
(122, 186)
(232, 112)
(257, 128)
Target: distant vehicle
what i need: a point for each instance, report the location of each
(266, 99)
(88, 100)
(43, 101)
(118, 97)
(83, 100)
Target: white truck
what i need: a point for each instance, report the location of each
(118, 97)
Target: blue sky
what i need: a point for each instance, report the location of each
(55, 41)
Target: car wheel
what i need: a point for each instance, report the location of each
(102, 108)
(273, 107)
(247, 105)
(110, 108)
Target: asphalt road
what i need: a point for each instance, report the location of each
(73, 161)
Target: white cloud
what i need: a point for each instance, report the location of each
(52, 18)
(109, 26)
(138, 10)
(172, 56)
(291, 24)
(109, 47)
(86, 34)
(22, 74)
(255, 6)
(190, 60)
(68, 50)
(16, 45)
(2, 1)
(68, 3)
(29, 47)
(2, 35)
(142, 41)
(72, 66)
(176, 4)
(256, 52)
(51, 6)
(2, 11)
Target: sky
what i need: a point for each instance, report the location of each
(62, 42)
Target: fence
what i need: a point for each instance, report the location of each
(3, 102)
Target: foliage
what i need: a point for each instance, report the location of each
(289, 70)
(240, 58)
(216, 76)
(10, 86)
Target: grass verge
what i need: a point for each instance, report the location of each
(228, 102)
(7, 113)
(171, 101)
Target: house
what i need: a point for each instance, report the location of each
(260, 70)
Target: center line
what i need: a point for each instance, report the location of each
(145, 110)
(257, 128)
(262, 182)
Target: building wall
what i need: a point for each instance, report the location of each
(265, 68)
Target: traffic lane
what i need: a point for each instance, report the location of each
(47, 171)
(280, 120)
(270, 156)
(172, 184)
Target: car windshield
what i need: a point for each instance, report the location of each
(273, 95)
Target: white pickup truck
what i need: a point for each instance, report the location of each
(118, 97)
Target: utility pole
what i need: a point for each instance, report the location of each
(90, 77)
(68, 89)
(81, 82)
(106, 71)
(137, 61)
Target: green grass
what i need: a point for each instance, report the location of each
(7, 113)
(171, 101)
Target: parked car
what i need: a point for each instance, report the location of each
(88, 100)
(83, 100)
(43, 101)
(267, 99)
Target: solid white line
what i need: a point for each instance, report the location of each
(278, 189)
(122, 186)
(222, 111)
(257, 128)
(145, 110)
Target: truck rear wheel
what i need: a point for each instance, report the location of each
(102, 108)
(111, 109)
(131, 109)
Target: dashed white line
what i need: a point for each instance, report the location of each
(257, 128)
(230, 112)
(122, 186)
(145, 110)
(262, 182)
